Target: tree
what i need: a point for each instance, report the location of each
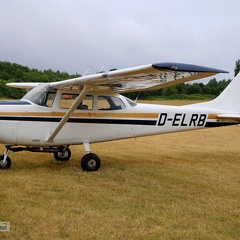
(172, 90)
(194, 89)
(12, 72)
(237, 67)
(212, 87)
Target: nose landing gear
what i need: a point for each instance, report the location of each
(5, 161)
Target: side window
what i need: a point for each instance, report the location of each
(110, 103)
(87, 103)
(67, 100)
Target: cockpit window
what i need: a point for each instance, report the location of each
(110, 103)
(50, 99)
(41, 95)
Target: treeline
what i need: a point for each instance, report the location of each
(198, 91)
(12, 72)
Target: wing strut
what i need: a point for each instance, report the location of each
(68, 113)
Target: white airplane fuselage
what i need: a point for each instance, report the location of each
(25, 123)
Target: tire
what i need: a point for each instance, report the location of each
(63, 155)
(90, 162)
(5, 165)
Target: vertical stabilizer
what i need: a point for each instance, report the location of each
(229, 99)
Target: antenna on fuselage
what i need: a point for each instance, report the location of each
(137, 96)
(101, 68)
(86, 71)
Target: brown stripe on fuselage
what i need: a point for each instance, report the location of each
(82, 114)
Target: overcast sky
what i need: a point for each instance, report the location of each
(71, 35)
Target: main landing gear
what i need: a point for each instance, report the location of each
(90, 161)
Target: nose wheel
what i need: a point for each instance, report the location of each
(5, 163)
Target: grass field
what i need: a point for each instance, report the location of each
(176, 186)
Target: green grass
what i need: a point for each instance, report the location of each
(175, 186)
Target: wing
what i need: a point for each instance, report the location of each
(148, 77)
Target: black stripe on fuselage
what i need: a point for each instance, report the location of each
(220, 124)
(81, 120)
(14, 102)
(102, 121)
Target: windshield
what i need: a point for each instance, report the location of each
(41, 95)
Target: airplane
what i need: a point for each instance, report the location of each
(89, 109)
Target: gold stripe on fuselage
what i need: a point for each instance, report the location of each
(85, 114)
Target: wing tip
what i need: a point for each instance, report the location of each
(183, 67)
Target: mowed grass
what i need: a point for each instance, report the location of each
(176, 186)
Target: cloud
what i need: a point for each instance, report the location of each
(70, 35)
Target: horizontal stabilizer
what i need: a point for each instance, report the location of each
(23, 85)
(229, 116)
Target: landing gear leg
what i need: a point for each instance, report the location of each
(5, 161)
(90, 162)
